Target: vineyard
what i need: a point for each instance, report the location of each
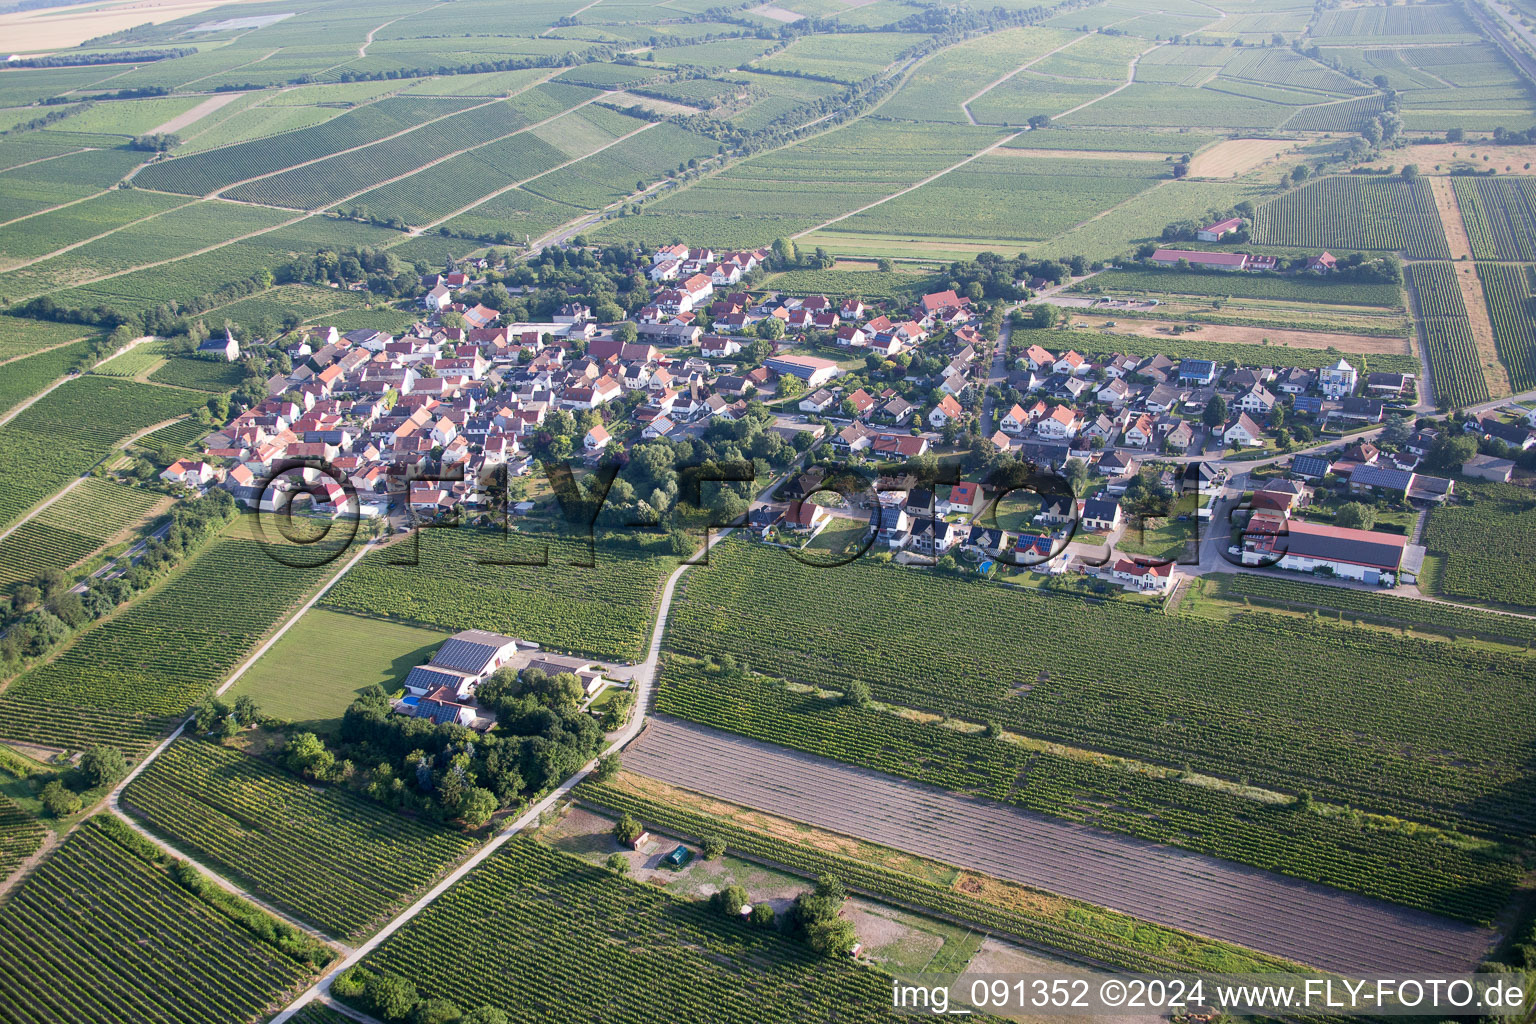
(1016, 912)
(1487, 540)
(70, 528)
(20, 836)
(1141, 684)
(1352, 212)
(1219, 285)
(578, 943)
(108, 934)
(1414, 869)
(199, 374)
(1500, 215)
(604, 612)
(23, 378)
(327, 856)
(1447, 335)
(1510, 292)
(181, 435)
(1352, 604)
(20, 337)
(72, 428)
(161, 654)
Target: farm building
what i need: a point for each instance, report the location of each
(1233, 261)
(815, 372)
(1215, 232)
(1364, 555)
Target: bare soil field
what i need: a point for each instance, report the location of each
(1446, 156)
(1482, 330)
(1450, 218)
(1238, 156)
(629, 99)
(1362, 343)
(776, 14)
(196, 114)
(1310, 923)
(60, 27)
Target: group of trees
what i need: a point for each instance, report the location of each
(98, 768)
(395, 1000)
(43, 613)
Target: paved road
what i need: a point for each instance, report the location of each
(1314, 924)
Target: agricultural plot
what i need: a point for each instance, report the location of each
(23, 377)
(1352, 212)
(1500, 215)
(328, 658)
(126, 117)
(1454, 361)
(1384, 26)
(1509, 292)
(47, 232)
(797, 187)
(69, 430)
(936, 88)
(1172, 106)
(1349, 116)
(897, 286)
(1139, 801)
(1009, 198)
(1219, 285)
(605, 611)
(1289, 69)
(1360, 605)
(1087, 694)
(137, 360)
(531, 908)
(263, 314)
(71, 528)
(192, 958)
(327, 856)
(209, 172)
(782, 98)
(1487, 545)
(187, 371)
(178, 436)
(164, 237)
(20, 836)
(40, 186)
(609, 176)
(838, 58)
(211, 613)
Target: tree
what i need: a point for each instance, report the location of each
(627, 829)
(485, 1015)
(1410, 172)
(626, 333)
(607, 768)
(389, 996)
(247, 711)
(102, 766)
(436, 1011)
(856, 694)
(1077, 476)
(58, 801)
(729, 900)
(791, 386)
(1301, 173)
(1455, 135)
(1355, 516)
(1397, 431)
(1449, 452)
(1215, 414)
(762, 915)
(307, 755)
(713, 847)
(618, 863)
(477, 807)
(770, 328)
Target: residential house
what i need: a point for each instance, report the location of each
(1100, 515)
(947, 411)
(1242, 431)
(1061, 423)
(1338, 380)
(1256, 401)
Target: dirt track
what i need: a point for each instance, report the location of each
(1314, 924)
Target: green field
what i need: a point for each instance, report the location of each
(1500, 216)
(1487, 542)
(567, 934)
(1161, 710)
(1216, 284)
(605, 611)
(195, 957)
(1355, 212)
(1508, 290)
(328, 658)
(1447, 335)
(326, 855)
(71, 528)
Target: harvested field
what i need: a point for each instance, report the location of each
(1482, 330)
(1238, 156)
(1450, 218)
(660, 106)
(58, 28)
(779, 14)
(1310, 923)
(1446, 156)
(1362, 343)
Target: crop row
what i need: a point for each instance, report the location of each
(325, 855)
(1510, 292)
(20, 836)
(205, 173)
(1500, 216)
(160, 655)
(1223, 697)
(70, 528)
(1454, 363)
(71, 728)
(574, 942)
(1404, 868)
(1079, 930)
(97, 933)
(69, 430)
(1355, 213)
(199, 374)
(1488, 543)
(603, 611)
(1383, 608)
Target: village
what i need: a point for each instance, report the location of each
(430, 423)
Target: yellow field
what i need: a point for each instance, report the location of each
(1238, 156)
(59, 27)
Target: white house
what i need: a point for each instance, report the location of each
(1062, 423)
(948, 410)
(1338, 380)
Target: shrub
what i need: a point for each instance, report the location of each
(58, 801)
(713, 846)
(389, 996)
(618, 863)
(627, 829)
